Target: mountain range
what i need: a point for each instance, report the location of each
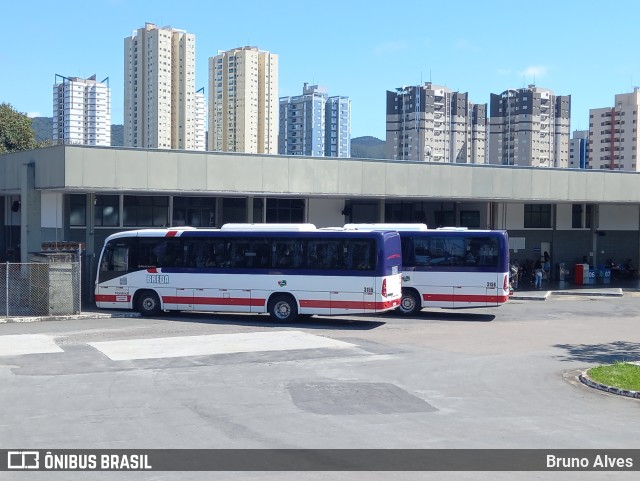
(366, 147)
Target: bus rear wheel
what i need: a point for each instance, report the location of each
(149, 304)
(410, 303)
(283, 309)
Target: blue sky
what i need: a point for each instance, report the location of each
(361, 49)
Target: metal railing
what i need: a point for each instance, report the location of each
(40, 289)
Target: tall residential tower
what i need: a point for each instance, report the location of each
(81, 111)
(243, 101)
(613, 136)
(434, 124)
(338, 127)
(315, 124)
(578, 150)
(159, 94)
(529, 127)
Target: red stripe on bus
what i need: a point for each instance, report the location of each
(368, 305)
(152, 270)
(245, 301)
(171, 233)
(112, 298)
(215, 301)
(313, 304)
(464, 298)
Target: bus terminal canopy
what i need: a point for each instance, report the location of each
(108, 169)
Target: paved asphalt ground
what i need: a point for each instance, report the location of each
(487, 378)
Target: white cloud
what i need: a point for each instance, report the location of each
(33, 114)
(392, 47)
(534, 71)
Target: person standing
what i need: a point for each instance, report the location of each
(537, 270)
(546, 267)
(514, 274)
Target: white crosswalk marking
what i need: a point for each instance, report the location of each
(215, 344)
(20, 344)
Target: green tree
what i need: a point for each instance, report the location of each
(15, 130)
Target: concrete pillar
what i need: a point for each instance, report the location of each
(250, 209)
(218, 212)
(264, 210)
(30, 231)
(595, 223)
(381, 210)
(91, 256)
(90, 237)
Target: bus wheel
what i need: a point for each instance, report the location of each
(410, 303)
(149, 304)
(283, 309)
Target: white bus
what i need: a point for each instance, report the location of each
(285, 270)
(450, 267)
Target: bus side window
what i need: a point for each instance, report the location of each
(358, 255)
(408, 251)
(239, 247)
(287, 254)
(261, 251)
(421, 252)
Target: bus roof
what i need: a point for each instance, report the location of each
(269, 227)
(402, 227)
(231, 229)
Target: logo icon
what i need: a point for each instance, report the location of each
(282, 283)
(23, 459)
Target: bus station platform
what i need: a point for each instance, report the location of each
(527, 291)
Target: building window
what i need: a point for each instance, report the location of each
(470, 218)
(285, 210)
(576, 216)
(537, 216)
(145, 210)
(107, 211)
(77, 210)
(194, 211)
(234, 209)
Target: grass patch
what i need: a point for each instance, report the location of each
(621, 375)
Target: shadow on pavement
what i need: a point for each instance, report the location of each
(253, 320)
(601, 353)
(447, 316)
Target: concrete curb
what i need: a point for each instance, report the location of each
(543, 295)
(71, 317)
(585, 379)
(611, 292)
(530, 295)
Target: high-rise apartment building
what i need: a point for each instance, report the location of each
(613, 134)
(302, 122)
(578, 150)
(315, 124)
(81, 111)
(433, 123)
(159, 89)
(201, 121)
(243, 101)
(338, 127)
(529, 127)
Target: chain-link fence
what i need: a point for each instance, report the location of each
(44, 288)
